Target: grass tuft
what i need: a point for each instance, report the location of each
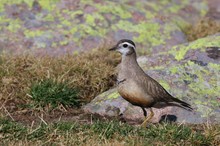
(11, 130)
(52, 93)
(204, 27)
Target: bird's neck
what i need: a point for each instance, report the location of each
(129, 60)
(129, 66)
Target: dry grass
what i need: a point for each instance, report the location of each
(91, 73)
(204, 27)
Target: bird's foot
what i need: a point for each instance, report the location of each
(147, 119)
(146, 122)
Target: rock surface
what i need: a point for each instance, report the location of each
(192, 75)
(59, 27)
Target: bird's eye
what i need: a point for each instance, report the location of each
(125, 45)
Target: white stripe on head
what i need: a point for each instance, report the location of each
(125, 48)
(126, 43)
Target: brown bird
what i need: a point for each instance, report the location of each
(135, 86)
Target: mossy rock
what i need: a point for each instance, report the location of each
(193, 77)
(58, 27)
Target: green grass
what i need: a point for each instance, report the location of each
(52, 93)
(106, 133)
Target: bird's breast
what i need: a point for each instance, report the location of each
(134, 94)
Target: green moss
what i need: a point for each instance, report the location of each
(167, 7)
(73, 30)
(146, 30)
(33, 33)
(179, 51)
(64, 42)
(75, 13)
(165, 84)
(155, 6)
(174, 69)
(175, 8)
(65, 32)
(48, 4)
(149, 32)
(90, 27)
(114, 8)
(14, 25)
(54, 44)
(90, 19)
(49, 17)
(214, 79)
(214, 66)
(10, 2)
(179, 54)
(124, 25)
(4, 19)
(149, 14)
(66, 23)
(204, 85)
(113, 95)
(86, 30)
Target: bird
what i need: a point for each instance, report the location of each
(138, 88)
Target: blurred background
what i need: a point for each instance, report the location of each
(58, 79)
(58, 27)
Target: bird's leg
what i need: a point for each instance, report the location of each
(145, 116)
(144, 124)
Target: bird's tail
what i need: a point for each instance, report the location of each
(182, 104)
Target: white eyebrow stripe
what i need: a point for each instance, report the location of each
(128, 44)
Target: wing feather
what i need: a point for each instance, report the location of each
(157, 92)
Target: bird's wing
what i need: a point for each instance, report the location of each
(155, 90)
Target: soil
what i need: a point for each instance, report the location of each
(30, 117)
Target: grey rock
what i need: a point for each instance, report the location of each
(194, 79)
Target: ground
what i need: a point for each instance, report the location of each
(54, 60)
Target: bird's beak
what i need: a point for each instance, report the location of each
(113, 48)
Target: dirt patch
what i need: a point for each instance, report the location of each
(31, 117)
(35, 117)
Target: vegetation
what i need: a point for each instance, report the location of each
(204, 27)
(107, 133)
(51, 93)
(68, 79)
(30, 85)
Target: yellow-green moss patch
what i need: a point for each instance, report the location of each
(179, 51)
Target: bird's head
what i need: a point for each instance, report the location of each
(125, 47)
